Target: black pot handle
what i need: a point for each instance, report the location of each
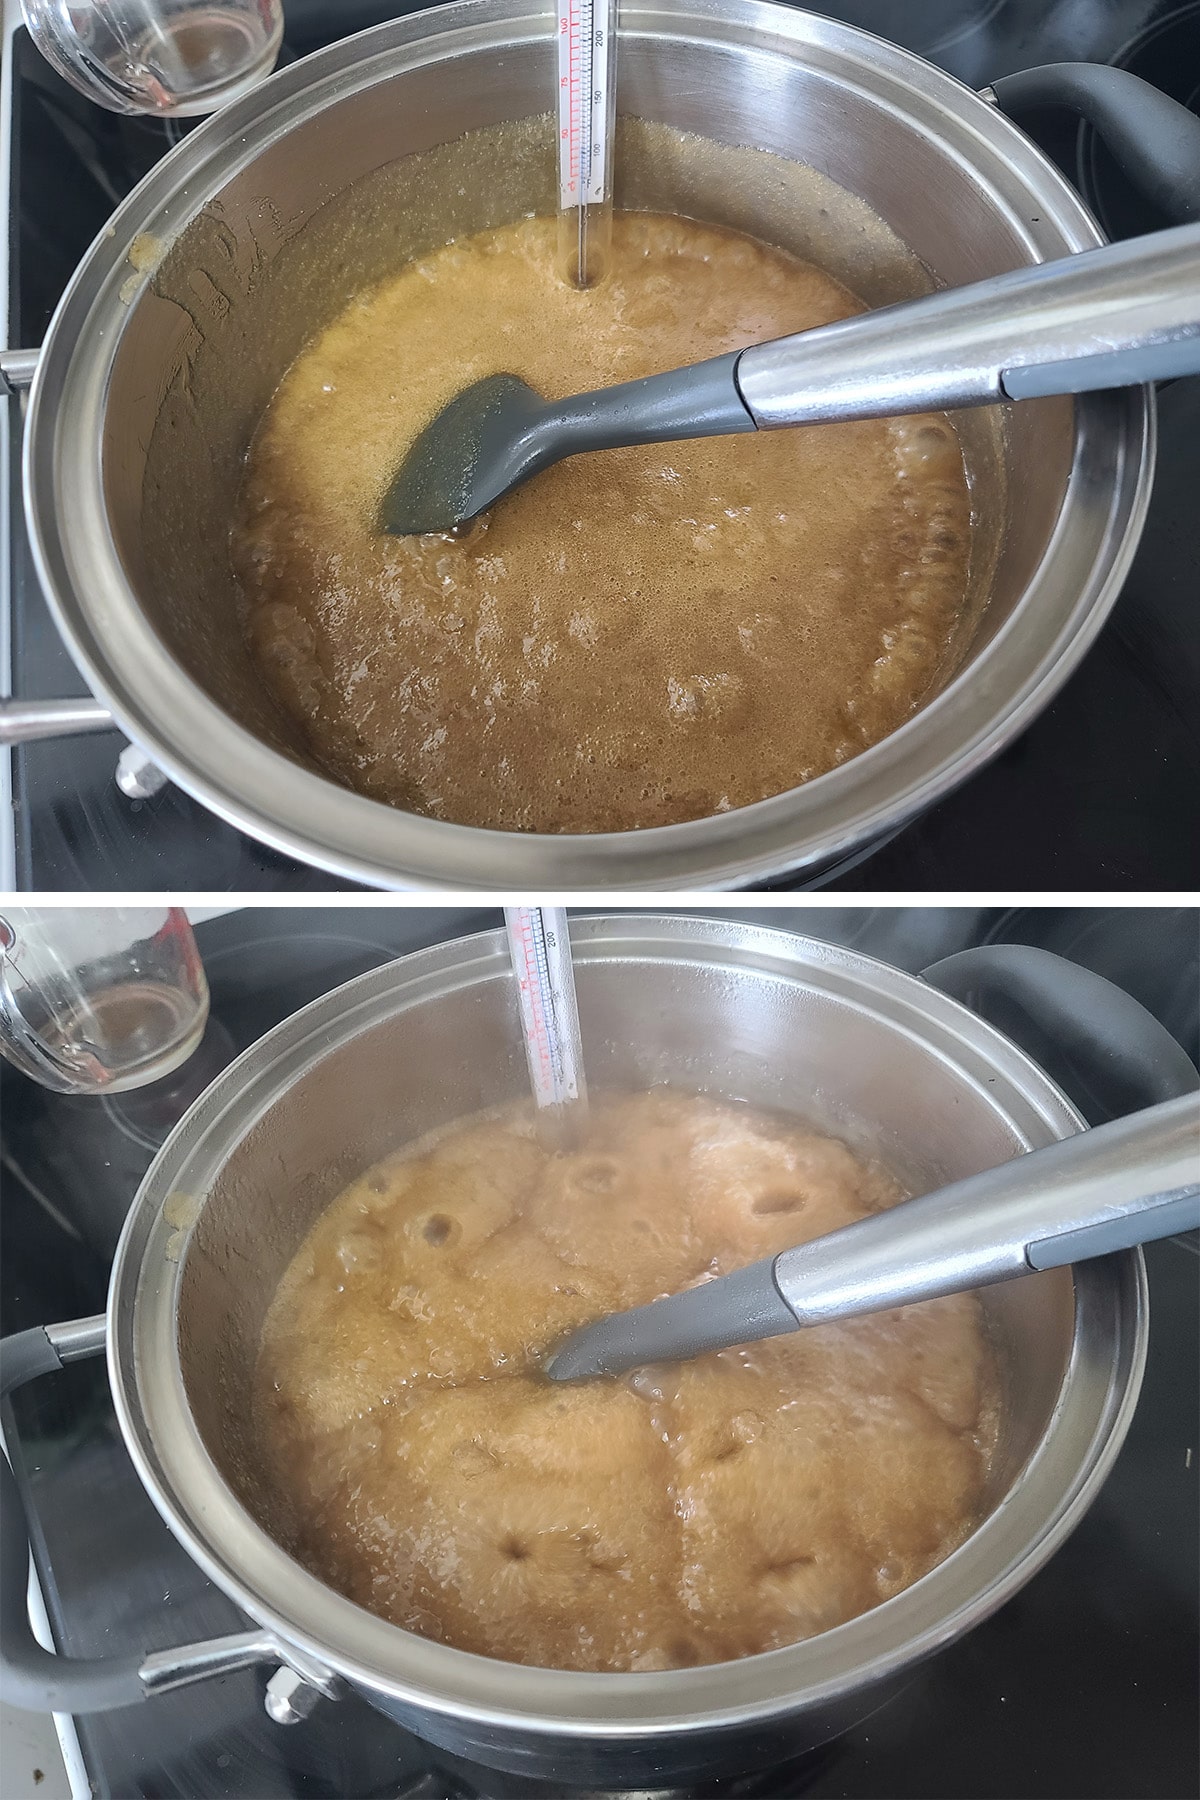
(34, 1678)
(1101, 1045)
(1155, 140)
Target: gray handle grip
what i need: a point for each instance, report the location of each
(34, 1678)
(1118, 315)
(1120, 1184)
(29, 1675)
(1155, 140)
(1102, 1190)
(1110, 1054)
(698, 400)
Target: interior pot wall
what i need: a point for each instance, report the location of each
(330, 207)
(773, 1042)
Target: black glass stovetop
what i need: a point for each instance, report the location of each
(1098, 793)
(1084, 1685)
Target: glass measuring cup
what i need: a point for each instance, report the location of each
(99, 999)
(171, 57)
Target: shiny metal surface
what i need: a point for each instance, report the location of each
(289, 1698)
(1124, 1183)
(1128, 1177)
(1125, 313)
(163, 373)
(78, 1338)
(165, 1670)
(811, 1029)
(23, 721)
(137, 776)
(17, 369)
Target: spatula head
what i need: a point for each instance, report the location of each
(490, 437)
(498, 432)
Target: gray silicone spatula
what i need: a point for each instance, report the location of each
(1103, 1190)
(1111, 317)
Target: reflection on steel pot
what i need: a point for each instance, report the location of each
(877, 1057)
(216, 270)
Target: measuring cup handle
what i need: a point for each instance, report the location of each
(1111, 1054)
(33, 1677)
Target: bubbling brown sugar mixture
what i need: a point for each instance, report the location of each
(421, 1463)
(636, 637)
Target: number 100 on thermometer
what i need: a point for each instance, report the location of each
(587, 44)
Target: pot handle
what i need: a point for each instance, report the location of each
(1110, 1054)
(27, 721)
(34, 1678)
(1155, 139)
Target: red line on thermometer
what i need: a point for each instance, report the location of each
(584, 76)
(540, 947)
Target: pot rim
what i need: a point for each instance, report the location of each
(299, 812)
(1098, 1393)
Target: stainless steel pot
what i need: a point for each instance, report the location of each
(821, 1032)
(187, 310)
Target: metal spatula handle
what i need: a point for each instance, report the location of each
(1119, 1184)
(1106, 1189)
(1113, 317)
(1121, 315)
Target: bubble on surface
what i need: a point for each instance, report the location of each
(633, 638)
(683, 1514)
